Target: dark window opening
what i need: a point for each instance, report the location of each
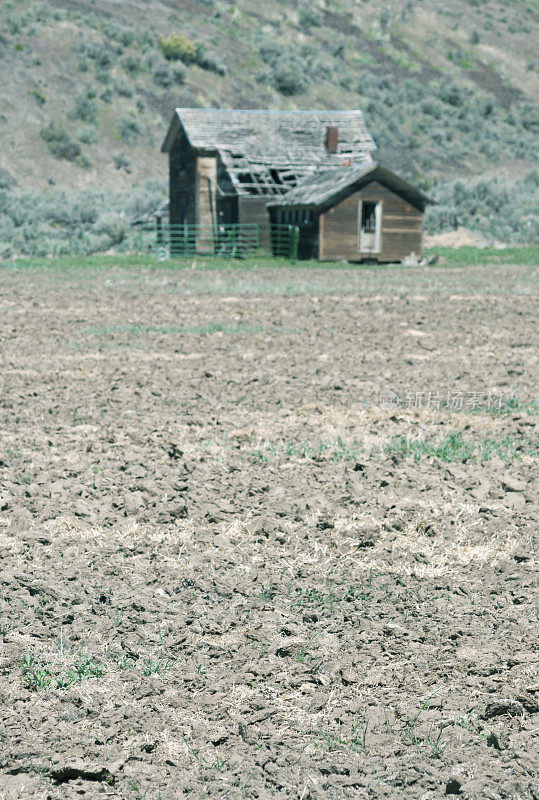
(276, 177)
(289, 180)
(368, 217)
(247, 180)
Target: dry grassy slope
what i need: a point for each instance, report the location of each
(40, 73)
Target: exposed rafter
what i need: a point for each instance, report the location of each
(270, 152)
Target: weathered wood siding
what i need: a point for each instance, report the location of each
(206, 189)
(182, 171)
(402, 227)
(253, 209)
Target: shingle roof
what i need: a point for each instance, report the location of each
(290, 137)
(322, 187)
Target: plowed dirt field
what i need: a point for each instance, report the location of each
(268, 533)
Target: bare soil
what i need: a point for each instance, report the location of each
(222, 575)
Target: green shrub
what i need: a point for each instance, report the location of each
(492, 207)
(310, 17)
(127, 38)
(208, 62)
(121, 161)
(59, 142)
(179, 75)
(289, 77)
(87, 134)
(123, 87)
(38, 96)
(102, 55)
(163, 76)
(7, 181)
(102, 75)
(263, 76)
(178, 47)
(131, 64)
(16, 23)
(451, 94)
(288, 73)
(60, 222)
(529, 117)
(113, 225)
(85, 108)
(83, 161)
(129, 129)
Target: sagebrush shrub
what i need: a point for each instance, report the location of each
(121, 161)
(87, 134)
(122, 87)
(310, 17)
(85, 107)
(163, 76)
(59, 142)
(113, 224)
(129, 129)
(131, 63)
(55, 222)
(289, 78)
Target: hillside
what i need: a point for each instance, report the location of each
(448, 90)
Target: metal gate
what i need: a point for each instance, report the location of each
(220, 241)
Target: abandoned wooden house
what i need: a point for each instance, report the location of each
(241, 167)
(355, 213)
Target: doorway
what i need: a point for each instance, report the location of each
(370, 226)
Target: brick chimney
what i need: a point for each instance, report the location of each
(332, 138)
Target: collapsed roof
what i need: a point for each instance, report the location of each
(268, 152)
(324, 186)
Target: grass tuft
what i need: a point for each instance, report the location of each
(453, 447)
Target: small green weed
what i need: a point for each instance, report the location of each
(429, 742)
(266, 593)
(453, 447)
(356, 742)
(303, 656)
(155, 667)
(314, 598)
(514, 406)
(36, 676)
(24, 477)
(467, 722)
(39, 676)
(337, 450)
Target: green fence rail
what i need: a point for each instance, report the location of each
(222, 241)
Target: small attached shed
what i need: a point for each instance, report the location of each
(354, 213)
